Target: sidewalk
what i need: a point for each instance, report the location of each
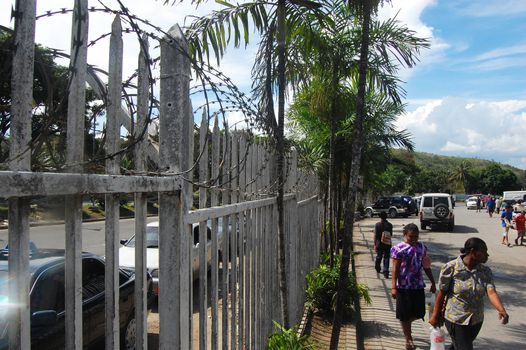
(380, 328)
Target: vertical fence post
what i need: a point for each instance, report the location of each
(233, 242)
(229, 230)
(174, 276)
(214, 200)
(112, 200)
(20, 159)
(74, 159)
(203, 268)
(141, 135)
(242, 173)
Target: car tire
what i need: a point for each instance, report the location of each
(392, 213)
(422, 226)
(441, 211)
(129, 335)
(368, 213)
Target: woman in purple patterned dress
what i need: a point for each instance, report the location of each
(409, 259)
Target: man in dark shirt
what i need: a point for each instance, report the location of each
(383, 231)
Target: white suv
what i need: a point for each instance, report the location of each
(437, 209)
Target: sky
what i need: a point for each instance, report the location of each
(466, 97)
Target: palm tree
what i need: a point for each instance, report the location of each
(365, 8)
(460, 174)
(279, 23)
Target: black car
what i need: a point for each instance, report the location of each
(47, 301)
(392, 205)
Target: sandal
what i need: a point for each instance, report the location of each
(409, 345)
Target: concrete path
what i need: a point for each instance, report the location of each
(381, 329)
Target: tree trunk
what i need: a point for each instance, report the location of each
(333, 226)
(357, 145)
(326, 237)
(332, 192)
(281, 162)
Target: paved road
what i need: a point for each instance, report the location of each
(508, 265)
(53, 236)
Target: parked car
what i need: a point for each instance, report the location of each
(47, 301)
(33, 251)
(127, 251)
(393, 205)
(471, 203)
(437, 209)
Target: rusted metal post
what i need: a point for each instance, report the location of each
(174, 241)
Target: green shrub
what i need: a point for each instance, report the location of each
(288, 339)
(322, 287)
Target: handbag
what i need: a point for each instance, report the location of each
(386, 237)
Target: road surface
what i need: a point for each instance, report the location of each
(508, 266)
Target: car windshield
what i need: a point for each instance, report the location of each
(152, 238)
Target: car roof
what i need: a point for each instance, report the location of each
(47, 258)
(436, 195)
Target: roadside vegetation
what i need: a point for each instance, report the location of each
(342, 64)
(417, 172)
(288, 339)
(322, 290)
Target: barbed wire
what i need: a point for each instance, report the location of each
(211, 82)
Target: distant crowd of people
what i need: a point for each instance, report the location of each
(508, 220)
(461, 286)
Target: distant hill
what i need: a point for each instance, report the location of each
(430, 161)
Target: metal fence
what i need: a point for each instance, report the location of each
(239, 296)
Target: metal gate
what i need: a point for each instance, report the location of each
(239, 296)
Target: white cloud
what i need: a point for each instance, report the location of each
(491, 8)
(409, 12)
(419, 118)
(467, 127)
(502, 52)
(455, 147)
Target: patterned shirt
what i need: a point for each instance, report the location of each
(465, 290)
(411, 256)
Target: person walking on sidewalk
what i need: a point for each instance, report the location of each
(409, 259)
(463, 282)
(506, 219)
(491, 206)
(520, 226)
(383, 232)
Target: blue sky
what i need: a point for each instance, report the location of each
(466, 97)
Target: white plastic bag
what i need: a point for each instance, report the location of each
(437, 338)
